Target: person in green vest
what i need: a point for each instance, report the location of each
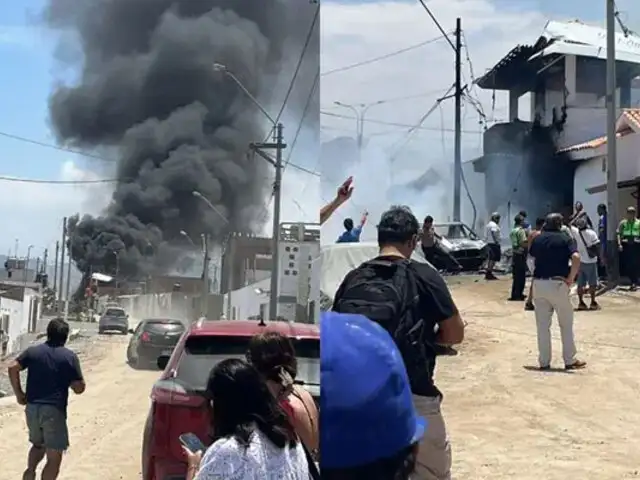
(518, 237)
(629, 246)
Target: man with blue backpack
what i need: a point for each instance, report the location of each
(412, 302)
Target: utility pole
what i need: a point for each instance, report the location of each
(44, 261)
(457, 142)
(204, 302)
(231, 246)
(613, 271)
(62, 254)
(259, 148)
(68, 288)
(55, 269)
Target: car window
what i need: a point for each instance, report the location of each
(163, 326)
(202, 353)
(115, 312)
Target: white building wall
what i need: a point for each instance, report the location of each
(593, 172)
(476, 184)
(19, 316)
(247, 301)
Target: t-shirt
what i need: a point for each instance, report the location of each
(492, 233)
(518, 237)
(350, 236)
(590, 238)
(436, 305)
(428, 237)
(50, 372)
(552, 251)
(227, 459)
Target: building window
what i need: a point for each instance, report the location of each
(292, 265)
(294, 273)
(286, 272)
(292, 257)
(287, 249)
(295, 249)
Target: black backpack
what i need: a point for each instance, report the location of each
(386, 292)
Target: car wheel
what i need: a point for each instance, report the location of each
(100, 332)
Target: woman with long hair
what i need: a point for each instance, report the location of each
(274, 357)
(253, 438)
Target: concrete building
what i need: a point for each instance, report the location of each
(20, 311)
(299, 288)
(590, 159)
(564, 74)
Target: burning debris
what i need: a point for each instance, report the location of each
(148, 95)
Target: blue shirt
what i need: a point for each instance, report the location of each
(350, 236)
(552, 251)
(50, 373)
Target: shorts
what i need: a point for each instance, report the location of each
(588, 275)
(47, 425)
(495, 252)
(434, 453)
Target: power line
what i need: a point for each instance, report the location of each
(304, 114)
(82, 154)
(397, 148)
(435, 20)
(297, 70)
(387, 55)
(394, 124)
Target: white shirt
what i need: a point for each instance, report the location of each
(590, 239)
(490, 231)
(227, 459)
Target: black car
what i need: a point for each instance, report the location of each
(152, 338)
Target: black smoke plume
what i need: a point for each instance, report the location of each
(147, 94)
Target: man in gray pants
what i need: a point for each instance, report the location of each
(552, 279)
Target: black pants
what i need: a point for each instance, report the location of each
(630, 261)
(519, 275)
(441, 259)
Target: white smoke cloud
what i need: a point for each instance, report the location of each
(353, 33)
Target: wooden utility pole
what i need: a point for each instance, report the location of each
(55, 269)
(457, 142)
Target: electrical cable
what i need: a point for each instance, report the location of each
(19, 138)
(297, 70)
(301, 123)
(399, 146)
(387, 55)
(435, 20)
(394, 124)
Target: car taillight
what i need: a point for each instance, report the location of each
(145, 337)
(168, 392)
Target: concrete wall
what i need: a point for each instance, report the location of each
(592, 173)
(23, 317)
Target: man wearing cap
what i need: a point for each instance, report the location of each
(369, 427)
(413, 303)
(629, 246)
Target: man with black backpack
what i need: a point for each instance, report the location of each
(412, 302)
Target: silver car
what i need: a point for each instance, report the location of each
(114, 320)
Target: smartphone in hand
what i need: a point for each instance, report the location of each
(191, 442)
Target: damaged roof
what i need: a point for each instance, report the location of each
(628, 123)
(557, 39)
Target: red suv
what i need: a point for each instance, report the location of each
(177, 402)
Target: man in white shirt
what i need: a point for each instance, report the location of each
(493, 238)
(588, 245)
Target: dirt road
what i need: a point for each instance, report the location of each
(510, 422)
(105, 422)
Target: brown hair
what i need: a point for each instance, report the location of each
(271, 351)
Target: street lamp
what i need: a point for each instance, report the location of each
(197, 194)
(260, 148)
(186, 235)
(360, 110)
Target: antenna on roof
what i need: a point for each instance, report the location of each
(626, 31)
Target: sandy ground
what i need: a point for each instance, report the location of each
(509, 422)
(105, 422)
(505, 421)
